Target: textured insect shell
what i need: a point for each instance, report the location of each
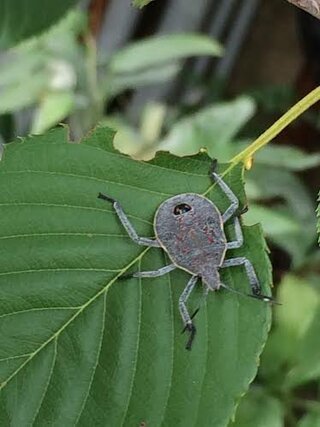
(195, 240)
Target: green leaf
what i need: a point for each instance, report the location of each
(306, 359)
(54, 107)
(80, 347)
(118, 83)
(274, 223)
(23, 92)
(311, 419)
(212, 128)
(291, 352)
(286, 157)
(265, 183)
(141, 3)
(22, 19)
(155, 51)
(258, 409)
(318, 215)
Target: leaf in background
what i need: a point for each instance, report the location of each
(29, 71)
(78, 346)
(212, 128)
(54, 107)
(311, 419)
(22, 19)
(274, 223)
(141, 3)
(265, 183)
(258, 409)
(306, 359)
(318, 215)
(158, 50)
(118, 83)
(295, 322)
(286, 157)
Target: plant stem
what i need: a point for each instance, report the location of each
(284, 121)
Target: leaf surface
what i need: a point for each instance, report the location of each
(78, 345)
(22, 18)
(170, 47)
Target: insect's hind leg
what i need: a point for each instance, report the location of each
(127, 224)
(252, 277)
(189, 326)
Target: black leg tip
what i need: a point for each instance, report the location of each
(125, 277)
(192, 330)
(105, 197)
(244, 210)
(213, 166)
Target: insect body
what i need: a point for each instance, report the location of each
(190, 228)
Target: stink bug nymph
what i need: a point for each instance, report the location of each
(190, 228)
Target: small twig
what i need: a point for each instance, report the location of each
(310, 6)
(294, 112)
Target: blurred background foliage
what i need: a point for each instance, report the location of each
(130, 71)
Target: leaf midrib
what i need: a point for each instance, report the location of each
(72, 318)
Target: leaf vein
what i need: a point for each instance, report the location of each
(73, 207)
(88, 177)
(70, 320)
(54, 358)
(97, 359)
(37, 309)
(42, 270)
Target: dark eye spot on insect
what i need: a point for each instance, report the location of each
(181, 209)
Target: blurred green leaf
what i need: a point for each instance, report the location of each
(286, 157)
(294, 325)
(265, 183)
(212, 128)
(53, 108)
(274, 223)
(114, 346)
(318, 215)
(258, 409)
(312, 419)
(120, 82)
(29, 71)
(306, 358)
(23, 93)
(21, 19)
(141, 3)
(155, 51)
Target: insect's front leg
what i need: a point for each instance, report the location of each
(127, 224)
(153, 273)
(227, 191)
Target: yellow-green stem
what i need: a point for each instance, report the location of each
(284, 121)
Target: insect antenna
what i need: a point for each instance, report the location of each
(263, 298)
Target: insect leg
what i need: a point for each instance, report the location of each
(253, 280)
(154, 273)
(189, 326)
(127, 224)
(228, 192)
(239, 236)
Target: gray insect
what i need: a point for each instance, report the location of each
(190, 228)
